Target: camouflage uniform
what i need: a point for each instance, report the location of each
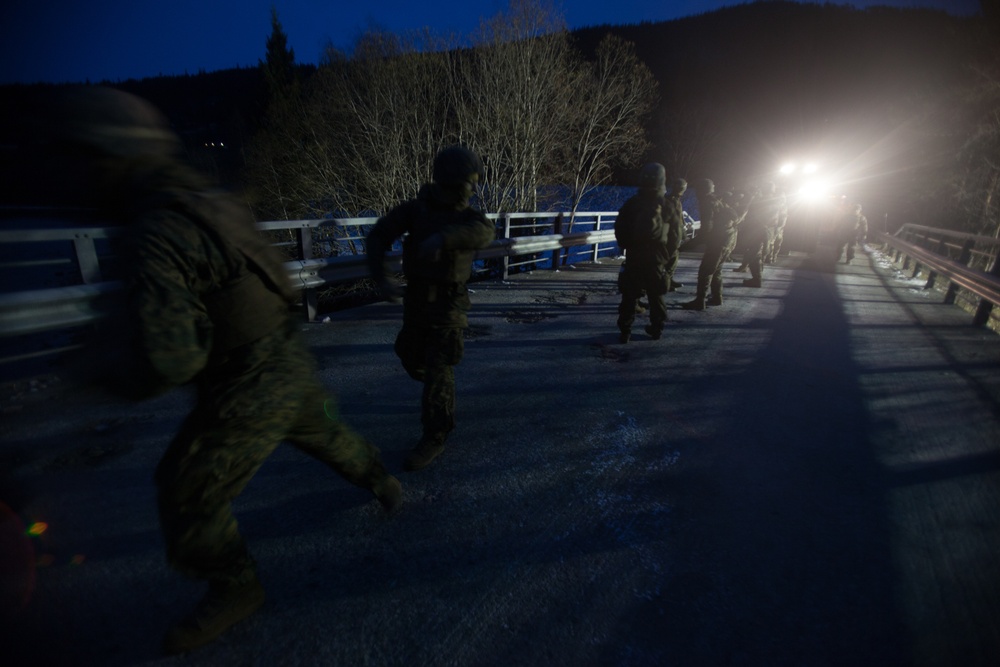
(762, 217)
(207, 304)
(674, 218)
(852, 230)
(777, 235)
(211, 305)
(719, 225)
(650, 239)
(442, 235)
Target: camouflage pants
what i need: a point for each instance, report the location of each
(779, 237)
(652, 280)
(429, 355)
(710, 269)
(251, 404)
(845, 246)
(756, 247)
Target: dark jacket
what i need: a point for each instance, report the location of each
(203, 287)
(435, 293)
(642, 231)
(720, 222)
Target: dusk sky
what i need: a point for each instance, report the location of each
(112, 40)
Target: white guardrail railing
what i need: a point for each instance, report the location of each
(522, 236)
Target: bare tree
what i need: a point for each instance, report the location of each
(362, 134)
(514, 101)
(612, 100)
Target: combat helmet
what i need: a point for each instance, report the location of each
(653, 177)
(457, 165)
(112, 122)
(705, 186)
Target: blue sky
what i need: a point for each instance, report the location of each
(75, 41)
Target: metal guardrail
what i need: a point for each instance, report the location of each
(38, 310)
(969, 261)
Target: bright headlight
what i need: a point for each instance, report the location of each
(814, 190)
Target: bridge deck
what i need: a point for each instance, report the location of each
(807, 475)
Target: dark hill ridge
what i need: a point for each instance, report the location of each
(745, 85)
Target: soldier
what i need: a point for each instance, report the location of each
(674, 216)
(719, 224)
(208, 301)
(763, 214)
(650, 244)
(442, 235)
(776, 234)
(852, 229)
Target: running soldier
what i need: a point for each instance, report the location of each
(208, 302)
(443, 233)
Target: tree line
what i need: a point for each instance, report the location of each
(360, 133)
(901, 104)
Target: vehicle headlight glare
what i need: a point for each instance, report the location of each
(814, 190)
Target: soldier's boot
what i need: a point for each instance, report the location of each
(624, 336)
(224, 605)
(389, 493)
(698, 303)
(742, 268)
(428, 449)
(715, 291)
(752, 282)
(654, 332)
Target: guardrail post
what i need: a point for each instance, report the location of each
(986, 307)
(932, 274)
(557, 226)
(309, 296)
(963, 259)
(86, 258)
(597, 246)
(506, 234)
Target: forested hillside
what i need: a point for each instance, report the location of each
(899, 106)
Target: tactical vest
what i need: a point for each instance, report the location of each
(255, 302)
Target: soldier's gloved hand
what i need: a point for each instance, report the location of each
(430, 249)
(390, 290)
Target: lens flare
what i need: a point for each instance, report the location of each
(814, 190)
(17, 562)
(37, 528)
(330, 408)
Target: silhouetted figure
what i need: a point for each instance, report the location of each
(644, 231)
(443, 233)
(208, 300)
(719, 225)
